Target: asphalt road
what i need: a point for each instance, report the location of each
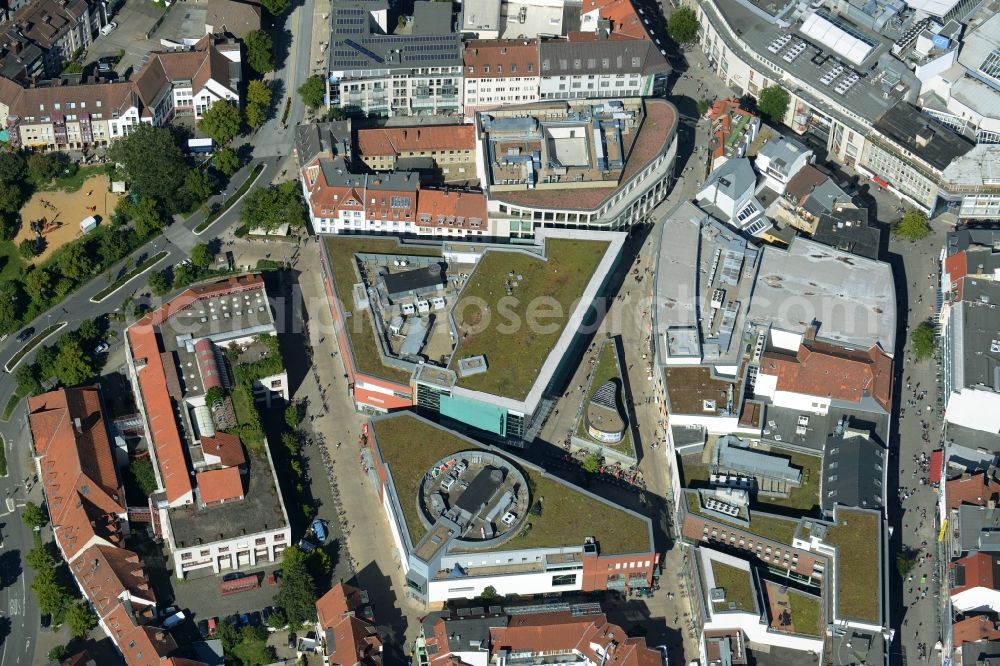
(19, 617)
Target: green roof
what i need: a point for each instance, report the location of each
(806, 613)
(361, 331)
(546, 292)
(857, 536)
(409, 445)
(738, 586)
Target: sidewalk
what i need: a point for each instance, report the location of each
(369, 542)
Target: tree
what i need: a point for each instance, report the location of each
(74, 262)
(11, 197)
(10, 224)
(269, 208)
(10, 305)
(72, 365)
(58, 654)
(275, 7)
(198, 184)
(489, 592)
(297, 591)
(159, 282)
(313, 91)
(258, 92)
(53, 598)
(221, 121)
(152, 162)
(252, 648)
(260, 53)
(226, 161)
(40, 558)
(336, 113)
(142, 474)
(28, 248)
(592, 463)
(292, 417)
(682, 26)
(80, 620)
(27, 379)
(42, 168)
(146, 217)
(88, 333)
(922, 340)
(214, 395)
(12, 167)
(905, 561)
(255, 115)
(773, 103)
(39, 284)
(201, 255)
(277, 620)
(34, 516)
(912, 226)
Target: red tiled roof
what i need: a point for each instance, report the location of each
(624, 19)
(106, 574)
(435, 208)
(396, 140)
(501, 58)
(76, 464)
(975, 628)
(354, 639)
(220, 485)
(547, 632)
(225, 446)
(829, 371)
(975, 489)
(143, 337)
(140, 644)
(978, 571)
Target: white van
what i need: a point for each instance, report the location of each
(109, 28)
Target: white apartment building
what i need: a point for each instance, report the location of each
(376, 73)
(584, 66)
(500, 72)
(71, 117)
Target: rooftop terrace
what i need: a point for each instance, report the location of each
(409, 445)
(640, 147)
(533, 296)
(341, 251)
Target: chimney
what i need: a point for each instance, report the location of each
(78, 424)
(924, 136)
(418, 135)
(810, 333)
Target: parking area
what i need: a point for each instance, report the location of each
(136, 20)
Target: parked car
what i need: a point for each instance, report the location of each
(256, 619)
(203, 628)
(109, 28)
(213, 626)
(174, 620)
(26, 334)
(101, 348)
(244, 620)
(236, 575)
(293, 640)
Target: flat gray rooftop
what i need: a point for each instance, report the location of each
(260, 510)
(704, 279)
(852, 298)
(865, 97)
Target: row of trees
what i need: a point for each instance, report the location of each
(271, 207)
(54, 593)
(223, 121)
(69, 360)
(180, 276)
